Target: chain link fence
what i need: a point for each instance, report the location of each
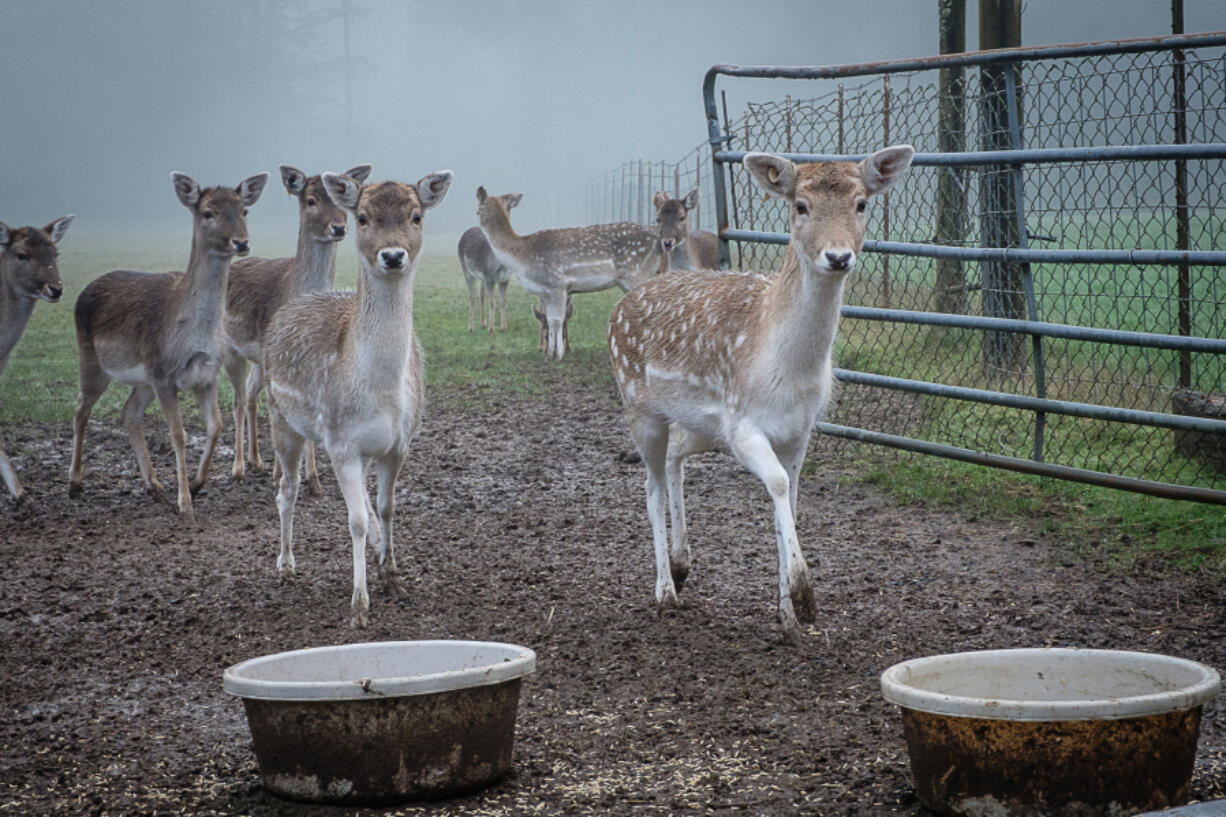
(1154, 193)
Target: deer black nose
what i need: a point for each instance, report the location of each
(838, 260)
(338, 230)
(241, 244)
(392, 259)
(55, 291)
(668, 243)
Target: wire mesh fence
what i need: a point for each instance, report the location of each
(1158, 96)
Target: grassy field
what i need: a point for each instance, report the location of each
(40, 385)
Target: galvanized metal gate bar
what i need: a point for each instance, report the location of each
(1015, 158)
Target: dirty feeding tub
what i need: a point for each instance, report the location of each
(1059, 732)
(382, 722)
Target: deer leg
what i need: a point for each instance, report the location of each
(752, 448)
(236, 372)
(206, 398)
(386, 471)
(472, 300)
(168, 398)
(314, 488)
(349, 475)
(255, 383)
(555, 316)
(287, 451)
(93, 382)
(502, 299)
(9, 473)
(680, 445)
(651, 438)
(134, 422)
(793, 457)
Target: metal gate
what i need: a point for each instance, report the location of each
(1045, 290)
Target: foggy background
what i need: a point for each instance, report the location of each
(100, 101)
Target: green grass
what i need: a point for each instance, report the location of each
(40, 385)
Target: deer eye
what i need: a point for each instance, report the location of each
(207, 214)
(417, 218)
(861, 205)
(22, 257)
(362, 219)
(311, 202)
(244, 211)
(802, 209)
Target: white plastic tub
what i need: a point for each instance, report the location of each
(1050, 731)
(382, 722)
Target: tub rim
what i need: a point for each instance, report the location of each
(519, 661)
(896, 689)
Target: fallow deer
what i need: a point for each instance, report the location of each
(344, 369)
(688, 249)
(538, 312)
(483, 269)
(161, 333)
(552, 264)
(258, 287)
(28, 274)
(739, 360)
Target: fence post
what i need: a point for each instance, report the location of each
(885, 202)
(1000, 23)
(951, 295)
(1182, 231)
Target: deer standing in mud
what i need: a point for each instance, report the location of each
(258, 287)
(161, 333)
(552, 264)
(687, 248)
(28, 274)
(344, 369)
(705, 359)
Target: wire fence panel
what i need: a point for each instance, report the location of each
(1072, 110)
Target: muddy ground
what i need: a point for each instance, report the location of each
(521, 521)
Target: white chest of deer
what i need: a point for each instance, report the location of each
(344, 369)
(737, 360)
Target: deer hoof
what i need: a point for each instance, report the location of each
(787, 621)
(75, 489)
(359, 619)
(196, 486)
(314, 488)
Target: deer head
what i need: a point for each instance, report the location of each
(828, 201)
(319, 217)
(28, 260)
(673, 218)
(389, 217)
(219, 214)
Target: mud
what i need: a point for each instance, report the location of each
(523, 521)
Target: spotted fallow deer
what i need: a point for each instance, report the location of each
(161, 333)
(28, 274)
(483, 270)
(552, 264)
(743, 361)
(344, 369)
(688, 249)
(258, 287)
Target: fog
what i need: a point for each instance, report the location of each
(100, 101)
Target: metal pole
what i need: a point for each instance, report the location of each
(719, 173)
(885, 202)
(951, 292)
(1182, 230)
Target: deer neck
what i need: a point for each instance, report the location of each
(199, 313)
(501, 235)
(801, 317)
(381, 335)
(15, 312)
(314, 266)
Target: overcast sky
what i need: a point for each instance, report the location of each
(101, 100)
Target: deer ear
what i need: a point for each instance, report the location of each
(883, 169)
(249, 189)
(660, 199)
(512, 199)
(4, 234)
(359, 174)
(482, 195)
(774, 174)
(431, 189)
(56, 229)
(691, 199)
(293, 179)
(343, 190)
(186, 189)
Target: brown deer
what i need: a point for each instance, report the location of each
(538, 312)
(161, 333)
(688, 249)
(552, 264)
(28, 274)
(483, 269)
(344, 369)
(739, 360)
(258, 287)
